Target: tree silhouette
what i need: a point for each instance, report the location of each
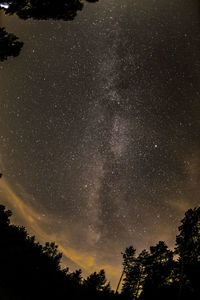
(4, 217)
(129, 263)
(96, 286)
(188, 249)
(159, 272)
(44, 9)
(141, 272)
(148, 274)
(9, 45)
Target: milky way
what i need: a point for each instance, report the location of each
(99, 135)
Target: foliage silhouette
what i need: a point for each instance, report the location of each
(9, 44)
(36, 9)
(44, 9)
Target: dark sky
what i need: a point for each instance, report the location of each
(99, 127)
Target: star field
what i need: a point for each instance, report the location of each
(99, 130)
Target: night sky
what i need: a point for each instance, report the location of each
(99, 128)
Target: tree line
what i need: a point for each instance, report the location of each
(29, 270)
